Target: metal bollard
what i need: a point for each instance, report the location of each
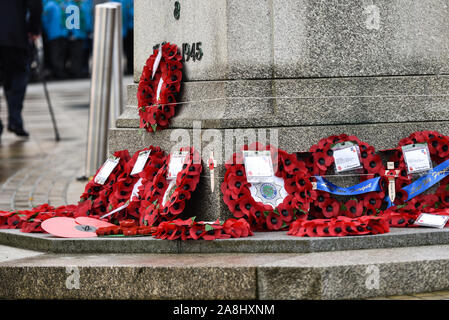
(117, 68)
(100, 89)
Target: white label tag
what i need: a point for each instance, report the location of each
(176, 163)
(346, 159)
(106, 170)
(134, 194)
(258, 166)
(159, 87)
(157, 61)
(140, 162)
(417, 158)
(170, 189)
(431, 220)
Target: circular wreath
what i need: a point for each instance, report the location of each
(238, 197)
(404, 214)
(321, 162)
(94, 201)
(156, 110)
(122, 189)
(153, 210)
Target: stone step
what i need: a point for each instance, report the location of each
(326, 275)
(261, 242)
(304, 102)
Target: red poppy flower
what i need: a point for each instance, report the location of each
(354, 208)
(337, 228)
(330, 208)
(273, 221)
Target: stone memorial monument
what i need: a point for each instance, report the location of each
(291, 73)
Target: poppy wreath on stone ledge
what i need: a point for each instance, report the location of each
(156, 110)
(122, 189)
(153, 211)
(30, 220)
(339, 227)
(190, 229)
(404, 214)
(94, 201)
(321, 162)
(237, 194)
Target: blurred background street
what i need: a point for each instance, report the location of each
(40, 170)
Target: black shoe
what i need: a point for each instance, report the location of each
(20, 132)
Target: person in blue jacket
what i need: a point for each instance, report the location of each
(78, 39)
(56, 34)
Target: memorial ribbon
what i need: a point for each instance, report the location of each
(432, 177)
(363, 187)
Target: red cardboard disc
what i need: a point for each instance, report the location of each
(69, 228)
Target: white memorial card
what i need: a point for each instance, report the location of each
(176, 162)
(140, 162)
(417, 157)
(157, 61)
(134, 194)
(258, 166)
(431, 220)
(159, 87)
(347, 158)
(106, 170)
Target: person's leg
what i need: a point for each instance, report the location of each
(57, 49)
(15, 83)
(76, 56)
(129, 51)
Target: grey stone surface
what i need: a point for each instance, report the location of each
(9, 253)
(352, 274)
(356, 274)
(294, 39)
(131, 277)
(304, 102)
(261, 242)
(291, 139)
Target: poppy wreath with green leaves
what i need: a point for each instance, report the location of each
(404, 213)
(152, 211)
(260, 216)
(321, 162)
(155, 113)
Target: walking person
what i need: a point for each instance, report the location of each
(20, 23)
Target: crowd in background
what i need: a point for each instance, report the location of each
(68, 50)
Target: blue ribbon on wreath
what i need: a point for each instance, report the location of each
(369, 185)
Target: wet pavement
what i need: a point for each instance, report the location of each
(40, 169)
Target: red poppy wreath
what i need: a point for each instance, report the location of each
(164, 200)
(321, 162)
(127, 182)
(404, 213)
(291, 189)
(159, 83)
